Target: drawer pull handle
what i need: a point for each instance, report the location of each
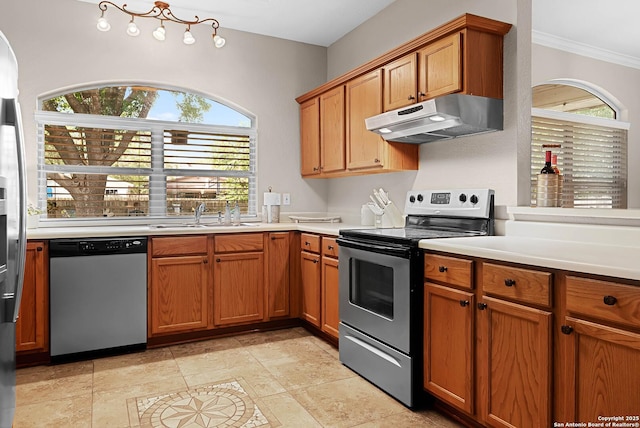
(509, 282)
(330, 247)
(307, 243)
(442, 269)
(482, 306)
(566, 329)
(464, 303)
(411, 97)
(609, 300)
(315, 261)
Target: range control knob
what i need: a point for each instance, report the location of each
(463, 198)
(474, 199)
(420, 198)
(412, 199)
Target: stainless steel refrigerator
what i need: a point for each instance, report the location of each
(12, 226)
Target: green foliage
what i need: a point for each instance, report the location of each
(191, 106)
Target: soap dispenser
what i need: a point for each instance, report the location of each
(227, 213)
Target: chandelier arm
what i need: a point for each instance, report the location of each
(160, 11)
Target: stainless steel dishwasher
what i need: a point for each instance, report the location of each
(98, 295)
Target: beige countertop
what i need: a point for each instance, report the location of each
(146, 230)
(597, 259)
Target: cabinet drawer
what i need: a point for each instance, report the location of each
(179, 245)
(451, 270)
(604, 300)
(524, 285)
(310, 242)
(329, 247)
(238, 242)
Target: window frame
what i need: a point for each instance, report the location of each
(157, 173)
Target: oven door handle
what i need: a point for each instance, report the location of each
(399, 251)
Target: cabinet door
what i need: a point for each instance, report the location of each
(179, 294)
(332, 136)
(238, 288)
(448, 345)
(32, 328)
(400, 82)
(440, 67)
(278, 284)
(310, 137)
(602, 375)
(310, 273)
(514, 365)
(330, 316)
(365, 149)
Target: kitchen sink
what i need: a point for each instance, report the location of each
(197, 225)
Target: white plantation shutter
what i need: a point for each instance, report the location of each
(592, 157)
(168, 168)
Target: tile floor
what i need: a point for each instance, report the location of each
(284, 378)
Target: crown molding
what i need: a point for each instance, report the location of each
(549, 40)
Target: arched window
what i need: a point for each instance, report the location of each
(143, 151)
(580, 124)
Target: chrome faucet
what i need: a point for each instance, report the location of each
(201, 208)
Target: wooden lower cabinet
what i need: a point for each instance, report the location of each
(278, 287)
(310, 287)
(32, 327)
(179, 294)
(449, 345)
(330, 315)
(238, 283)
(602, 374)
(179, 297)
(514, 360)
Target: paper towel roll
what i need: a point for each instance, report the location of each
(271, 198)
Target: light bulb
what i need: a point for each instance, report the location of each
(159, 33)
(188, 38)
(218, 41)
(103, 24)
(132, 29)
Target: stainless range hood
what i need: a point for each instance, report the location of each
(449, 116)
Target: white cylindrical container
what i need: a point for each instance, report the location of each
(367, 218)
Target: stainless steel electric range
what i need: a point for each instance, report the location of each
(381, 286)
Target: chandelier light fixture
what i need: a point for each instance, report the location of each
(161, 12)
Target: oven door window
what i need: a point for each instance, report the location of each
(372, 288)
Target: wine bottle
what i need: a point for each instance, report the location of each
(554, 164)
(547, 168)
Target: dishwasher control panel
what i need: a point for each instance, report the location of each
(97, 246)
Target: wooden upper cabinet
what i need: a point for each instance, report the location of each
(310, 137)
(440, 67)
(364, 99)
(332, 134)
(400, 82)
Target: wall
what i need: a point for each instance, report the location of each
(620, 81)
(57, 46)
(497, 160)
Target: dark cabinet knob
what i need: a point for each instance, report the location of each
(509, 282)
(315, 261)
(330, 247)
(422, 94)
(442, 268)
(411, 97)
(39, 248)
(218, 260)
(307, 243)
(464, 303)
(482, 306)
(566, 329)
(609, 300)
(205, 261)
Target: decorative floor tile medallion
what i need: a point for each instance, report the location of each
(222, 405)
